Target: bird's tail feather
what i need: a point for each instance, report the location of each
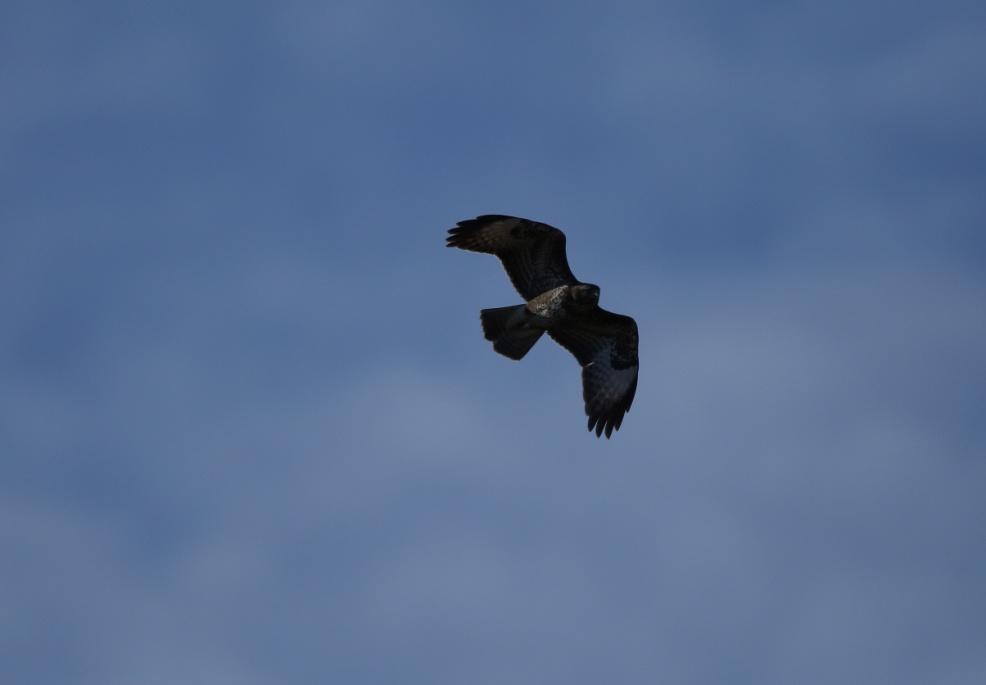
(506, 327)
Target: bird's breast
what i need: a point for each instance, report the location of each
(549, 304)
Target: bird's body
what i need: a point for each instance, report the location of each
(605, 344)
(550, 305)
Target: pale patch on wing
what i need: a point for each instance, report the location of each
(609, 385)
(608, 391)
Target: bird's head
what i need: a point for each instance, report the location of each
(586, 294)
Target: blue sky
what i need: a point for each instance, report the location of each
(250, 431)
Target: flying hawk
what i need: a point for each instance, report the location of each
(605, 344)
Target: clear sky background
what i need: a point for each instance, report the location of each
(250, 431)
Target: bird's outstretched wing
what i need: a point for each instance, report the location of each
(606, 346)
(532, 253)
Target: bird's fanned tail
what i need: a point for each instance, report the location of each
(504, 326)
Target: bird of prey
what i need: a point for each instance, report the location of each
(605, 344)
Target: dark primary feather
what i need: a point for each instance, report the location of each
(605, 344)
(532, 253)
